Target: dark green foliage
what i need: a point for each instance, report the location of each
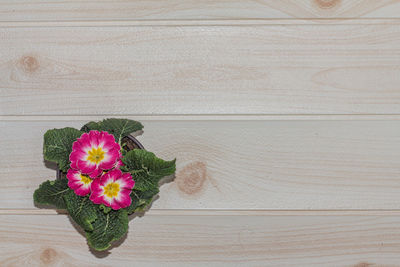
(102, 224)
(81, 209)
(107, 228)
(52, 193)
(142, 199)
(146, 170)
(58, 145)
(117, 127)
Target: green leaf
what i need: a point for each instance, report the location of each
(91, 126)
(101, 224)
(117, 127)
(58, 145)
(107, 228)
(141, 199)
(52, 193)
(81, 209)
(146, 168)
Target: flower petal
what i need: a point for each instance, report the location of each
(77, 182)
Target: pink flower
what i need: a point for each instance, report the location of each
(119, 164)
(94, 152)
(113, 189)
(78, 182)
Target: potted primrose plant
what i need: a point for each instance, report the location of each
(104, 174)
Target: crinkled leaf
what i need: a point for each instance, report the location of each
(52, 193)
(81, 209)
(58, 145)
(146, 168)
(107, 228)
(92, 125)
(141, 199)
(102, 224)
(117, 127)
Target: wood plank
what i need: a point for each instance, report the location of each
(215, 241)
(45, 10)
(226, 212)
(183, 23)
(232, 117)
(292, 69)
(272, 165)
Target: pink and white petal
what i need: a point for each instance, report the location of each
(105, 178)
(86, 167)
(107, 163)
(107, 140)
(108, 178)
(74, 185)
(73, 165)
(123, 199)
(107, 201)
(123, 184)
(74, 180)
(116, 173)
(97, 192)
(115, 205)
(72, 174)
(82, 143)
(109, 160)
(96, 186)
(128, 181)
(108, 181)
(111, 146)
(77, 146)
(94, 137)
(96, 173)
(96, 198)
(119, 164)
(83, 190)
(77, 155)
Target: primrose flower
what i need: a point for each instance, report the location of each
(79, 182)
(113, 189)
(119, 164)
(94, 152)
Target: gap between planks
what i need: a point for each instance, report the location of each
(225, 212)
(194, 117)
(202, 22)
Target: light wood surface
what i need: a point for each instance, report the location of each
(273, 69)
(268, 164)
(284, 117)
(51, 240)
(44, 10)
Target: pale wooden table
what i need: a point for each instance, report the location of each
(283, 115)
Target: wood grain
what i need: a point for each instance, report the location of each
(305, 165)
(296, 69)
(215, 241)
(284, 117)
(44, 10)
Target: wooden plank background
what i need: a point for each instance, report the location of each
(284, 117)
(44, 10)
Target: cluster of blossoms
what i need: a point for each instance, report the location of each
(95, 162)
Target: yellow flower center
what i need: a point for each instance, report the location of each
(95, 155)
(111, 190)
(86, 180)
